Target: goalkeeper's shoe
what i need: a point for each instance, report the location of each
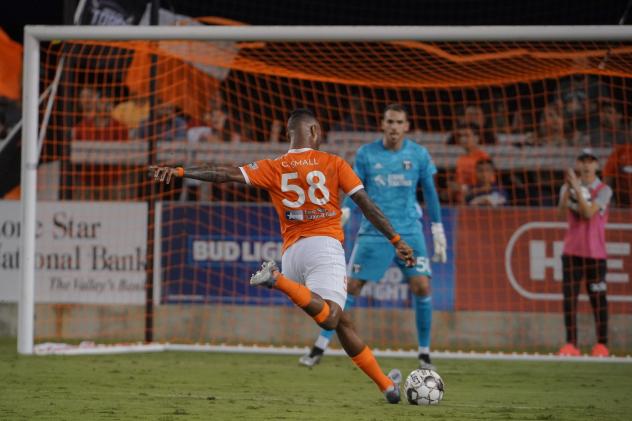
(425, 363)
(264, 275)
(569, 350)
(392, 394)
(311, 358)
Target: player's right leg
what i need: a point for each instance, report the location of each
(324, 312)
(595, 273)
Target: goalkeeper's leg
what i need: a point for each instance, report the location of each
(313, 357)
(422, 303)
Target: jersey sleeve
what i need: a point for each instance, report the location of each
(427, 166)
(603, 197)
(259, 174)
(349, 180)
(427, 171)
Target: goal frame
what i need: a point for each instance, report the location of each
(35, 34)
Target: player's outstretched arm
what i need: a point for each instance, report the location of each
(209, 173)
(375, 216)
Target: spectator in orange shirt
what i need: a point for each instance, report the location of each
(618, 174)
(466, 137)
(97, 122)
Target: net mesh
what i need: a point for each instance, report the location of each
(120, 258)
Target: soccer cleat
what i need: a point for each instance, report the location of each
(311, 358)
(425, 363)
(569, 350)
(600, 350)
(264, 275)
(392, 394)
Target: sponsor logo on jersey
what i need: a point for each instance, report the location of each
(294, 215)
(308, 215)
(379, 180)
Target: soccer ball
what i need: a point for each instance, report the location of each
(424, 387)
(573, 202)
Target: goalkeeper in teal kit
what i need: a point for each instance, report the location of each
(390, 169)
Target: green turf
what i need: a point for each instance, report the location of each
(201, 386)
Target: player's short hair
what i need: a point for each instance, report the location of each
(300, 115)
(397, 108)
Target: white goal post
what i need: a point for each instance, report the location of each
(33, 35)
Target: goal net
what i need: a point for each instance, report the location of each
(120, 259)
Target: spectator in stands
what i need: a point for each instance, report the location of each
(584, 201)
(211, 129)
(474, 117)
(552, 130)
(132, 113)
(356, 119)
(579, 94)
(486, 192)
(609, 130)
(167, 124)
(466, 136)
(618, 174)
(88, 100)
(96, 121)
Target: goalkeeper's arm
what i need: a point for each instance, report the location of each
(209, 173)
(434, 209)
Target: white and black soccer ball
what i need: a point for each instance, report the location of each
(572, 203)
(424, 387)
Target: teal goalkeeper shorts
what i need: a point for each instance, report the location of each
(373, 254)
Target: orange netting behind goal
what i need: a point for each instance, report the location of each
(120, 258)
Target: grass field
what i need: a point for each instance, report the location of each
(202, 386)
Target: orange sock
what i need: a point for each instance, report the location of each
(299, 294)
(367, 363)
(323, 314)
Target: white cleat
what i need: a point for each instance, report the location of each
(392, 394)
(264, 275)
(308, 361)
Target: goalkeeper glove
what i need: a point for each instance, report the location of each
(440, 243)
(345, 214)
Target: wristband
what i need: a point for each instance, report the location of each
(180, 172)
(395, 239)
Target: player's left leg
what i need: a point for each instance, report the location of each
(364, 359)
(418, 278)
(370, 258)
(595, 272)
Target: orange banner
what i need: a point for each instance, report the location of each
(10, 67)
(510, 260)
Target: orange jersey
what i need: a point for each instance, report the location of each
(304, 185)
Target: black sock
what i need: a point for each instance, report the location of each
(316, 351)
(425, 358)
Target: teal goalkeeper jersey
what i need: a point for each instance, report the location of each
(390, 178)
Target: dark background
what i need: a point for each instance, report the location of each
(336, 12)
